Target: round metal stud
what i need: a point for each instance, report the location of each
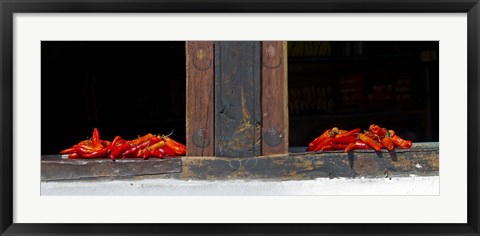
(200, 138)
(273, 137)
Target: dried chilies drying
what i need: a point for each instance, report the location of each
(149, 145)
(376, 138)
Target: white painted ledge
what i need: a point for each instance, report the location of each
(413, 185)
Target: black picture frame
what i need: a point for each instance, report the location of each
(9, 7)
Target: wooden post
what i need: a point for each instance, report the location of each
(237, 99)
(200, 99)
(274, 98)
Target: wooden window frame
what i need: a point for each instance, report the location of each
(223, 75)
(236, 96)
(271, 91)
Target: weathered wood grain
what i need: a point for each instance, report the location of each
(200, 102)
(421, 160)
(274, 98)
(65, 169)
(237, 99)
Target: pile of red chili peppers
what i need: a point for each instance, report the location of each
(147, 146)
(376, 138)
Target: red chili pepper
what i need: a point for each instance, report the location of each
(369, 134)
(323, 143)
(316, 141)
(176, 147)
(361, 145)
(132, 151)
(105, 143)
(372, 136)
(334, 146)
(98, 154)
(116, 140)
(159, 144)
(116, 152)
(147, 154)
(357, 145)
(96, 143)
(142, 139)
(401, 143)
(327, 147)
(85, 147)
(154, 143)
(73, 155)
(121, 142)
(338, 146)
(349, 147)
(348, 133)
(376, 129)
(85, 142)
(341, 131)
(344, 139)
(370, 142)
(168, 151)
(159, 152)
(387, 143)
(155, 139)
(81, 151)
(68, 150)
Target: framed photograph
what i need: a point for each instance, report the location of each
(207, 117)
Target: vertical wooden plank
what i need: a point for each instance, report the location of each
(200, 101)
(274, 98)
(237, 99)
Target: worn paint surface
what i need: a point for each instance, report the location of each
(237, 103)
(419, 160)
(62, 169)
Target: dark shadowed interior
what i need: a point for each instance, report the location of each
(122, 88)
(394, 84)
(133, 88)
